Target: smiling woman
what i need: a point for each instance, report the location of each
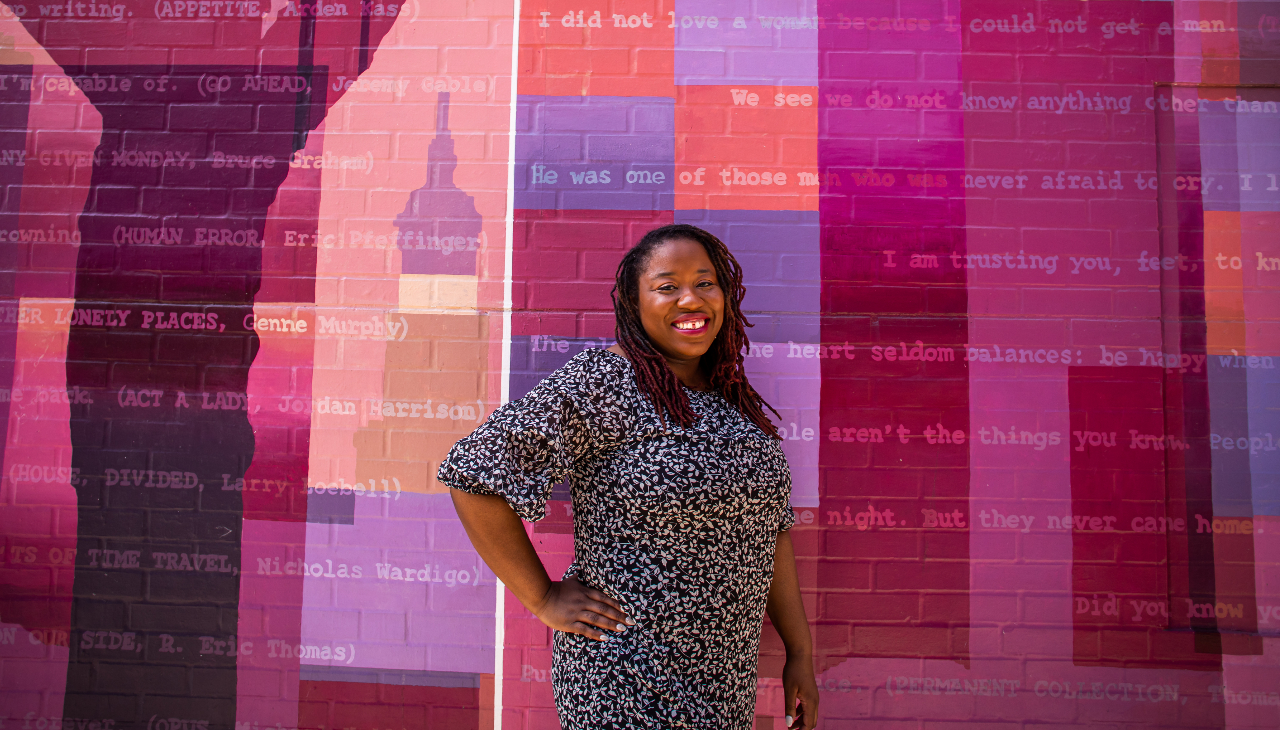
(681, 506)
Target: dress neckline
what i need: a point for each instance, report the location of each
(709, 391)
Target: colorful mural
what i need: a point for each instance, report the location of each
(1008, 264)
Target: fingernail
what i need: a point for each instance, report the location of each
(621, 627)
(629, 621)
(790, 720)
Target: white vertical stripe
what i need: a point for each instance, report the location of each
(499, 625)
(505, 393)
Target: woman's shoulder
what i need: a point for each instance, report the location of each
(593, 372)
(601, 387)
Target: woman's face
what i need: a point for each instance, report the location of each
(681, 302)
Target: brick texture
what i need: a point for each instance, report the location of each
(1012, 270)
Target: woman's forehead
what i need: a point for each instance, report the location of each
(676, 256)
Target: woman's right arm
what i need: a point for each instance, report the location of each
(568, 605)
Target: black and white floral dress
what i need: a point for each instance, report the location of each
(679, 525)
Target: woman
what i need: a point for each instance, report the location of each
(680, 505)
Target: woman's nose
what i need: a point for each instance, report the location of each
(689, 299)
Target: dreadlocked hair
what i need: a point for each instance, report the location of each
(722, 363)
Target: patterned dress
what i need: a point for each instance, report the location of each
(679, 525)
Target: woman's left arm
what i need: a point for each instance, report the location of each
(786, 611)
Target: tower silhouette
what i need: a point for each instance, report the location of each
(439, 229)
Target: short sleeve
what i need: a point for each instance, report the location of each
(527, 446)
(786, 515)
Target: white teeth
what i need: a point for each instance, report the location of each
(692, 325)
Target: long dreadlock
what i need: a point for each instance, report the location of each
(723, 361)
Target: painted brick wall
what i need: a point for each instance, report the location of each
(1010, 266)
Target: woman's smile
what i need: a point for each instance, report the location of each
(691, 324)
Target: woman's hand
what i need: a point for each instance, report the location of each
(499, 537)
(799, 687)
(576, 608)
